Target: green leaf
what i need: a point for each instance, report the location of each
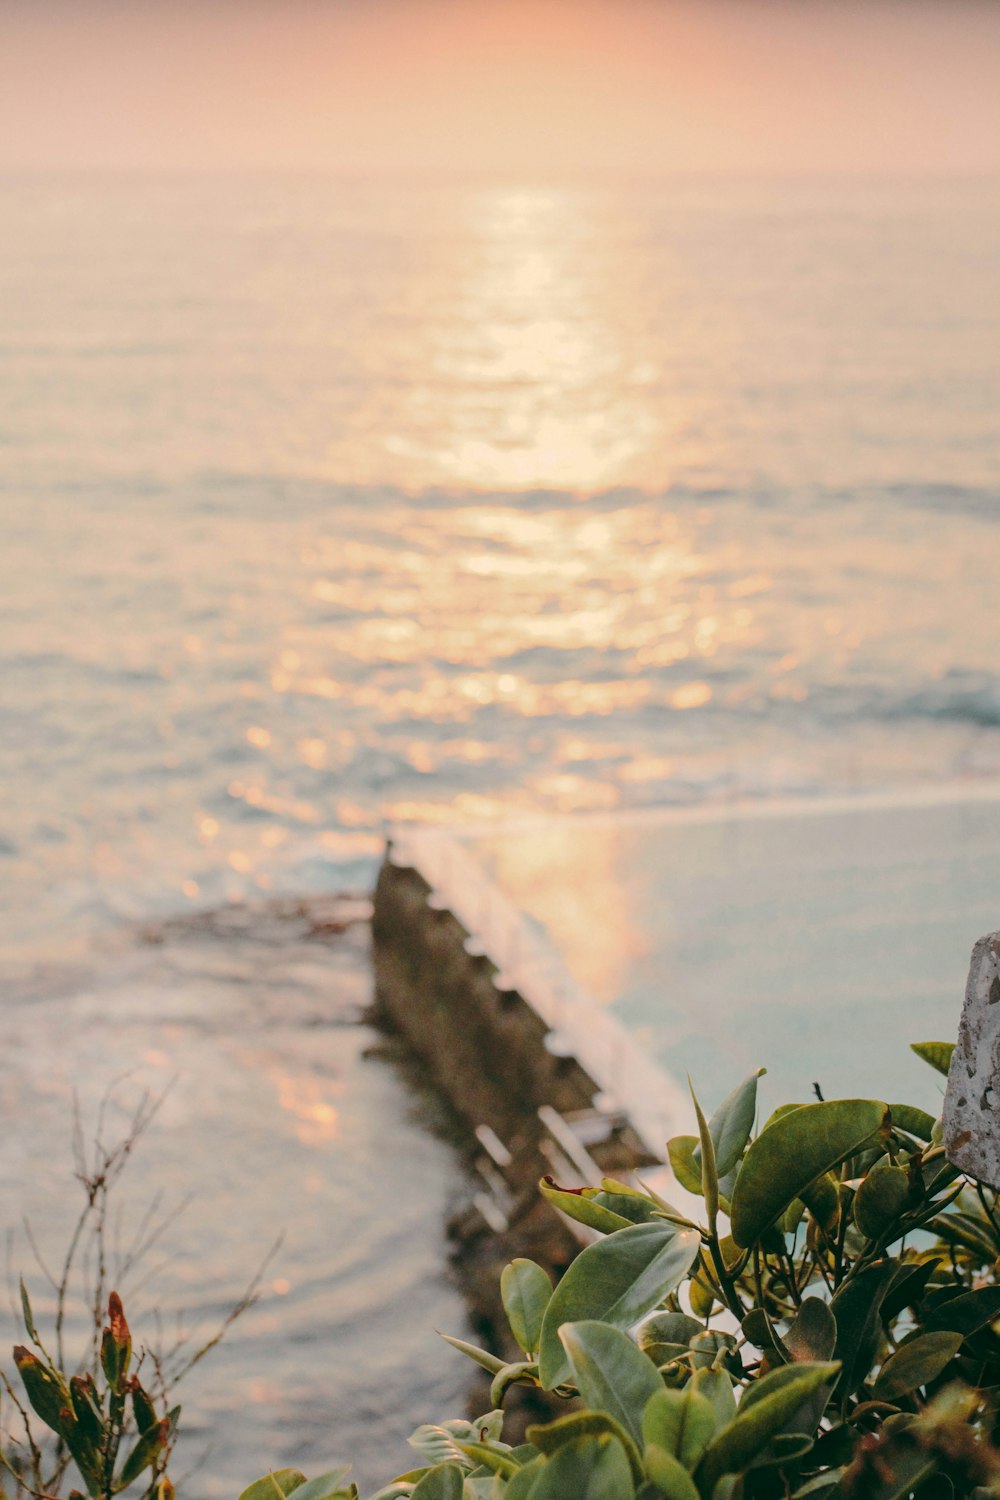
(907, 1289)
(700, 1295)
(775, 1380)
(916, 1122)
(803, 1422)
(732, 1123)
(668, 1474)
(488, 1427)
(487, 1361)
(822, 1199)
(819, 1485)
(443, 1482)
(966, 1314)
(755, 1424)
(683, 1153)
(812, 1334)
(792, 1152)
(90, 1463)
(835, 1448)
(582, 1207)
(882, 1198)
(682, 1423)
(758, 1328)
(632, 1205)
(29, 1320)
(674, 1363)
(709, 1171)
(525, 1289)
(553, 1435)
(274, 1486)
(589, 1468)
(142, 1406)
(47, 1391)
(663, 1206)
(146, 1451)
(717, 1388)
(780, 1113)
(491, 1458)
(111, 1359)
(84, 1434)
(523, 1483)
(729, 1487)
(325, 1486)
(792, 1217)
(88, 1413)
(610, 1373)
(437, 1442)
(916, 1363)
(665, 1335)
(616, 1280)
(784, 1448)
(857, 1308)
(706, 1346)
(970, 1232)
(523, 1372)
(938, 1054)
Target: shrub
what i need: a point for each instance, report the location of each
(90, 1417)
(824, 1324)
(96, 1415)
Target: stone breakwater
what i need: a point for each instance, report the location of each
(526, 1104)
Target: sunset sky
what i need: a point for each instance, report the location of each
(517, 86)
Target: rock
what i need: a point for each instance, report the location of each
(971, 1116)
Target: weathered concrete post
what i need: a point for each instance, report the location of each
(971, 1116)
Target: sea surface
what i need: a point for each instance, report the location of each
(327, 503)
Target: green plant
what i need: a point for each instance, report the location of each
(97, 1416)
(823, 1324)
(91, 1418)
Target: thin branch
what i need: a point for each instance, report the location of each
(247, 1301)
(29, 1235)
(36, 1456)
(63, 1285)
(140, 1248)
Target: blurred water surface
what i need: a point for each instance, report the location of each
(327, 502)
(277, 1120)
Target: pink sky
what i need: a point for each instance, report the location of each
(522, 86)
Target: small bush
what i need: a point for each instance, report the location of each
(97, 1417)
(825, 1324)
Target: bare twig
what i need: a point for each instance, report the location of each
(140, 1248)
(33, 1448)
(95, 1253)
(249, 1297)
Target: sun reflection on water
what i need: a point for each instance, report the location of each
(459, 500)
(541, 387)
(500, 614)
(305, 1098)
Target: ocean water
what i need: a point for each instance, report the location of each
(817, 937)
(327, 503)
(285, 1147)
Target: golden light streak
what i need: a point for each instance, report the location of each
(305, 1098)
